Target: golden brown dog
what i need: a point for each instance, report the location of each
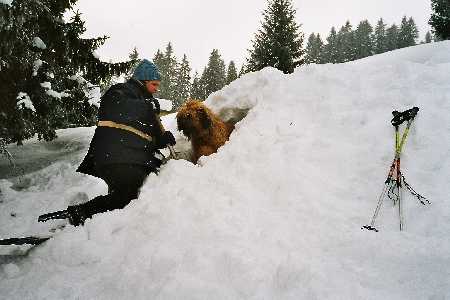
(206, 131)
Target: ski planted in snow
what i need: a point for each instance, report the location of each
(34, 240)
(28, 240)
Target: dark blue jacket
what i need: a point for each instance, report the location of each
(130, 104)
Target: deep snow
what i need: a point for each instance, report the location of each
(275, 214)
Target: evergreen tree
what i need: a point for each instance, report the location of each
(213, 77)
(428, 37)
(134, 60)
(197, 90)
(242, 71)
(134, 55)
(379, 38)
(158, 59)
(319, 48)
(408, 33)
(47, 70)
(309, 51)
(363, 40)
(168, 68)
(413, 32)
(330, 53)
(392, 38)
(182, 83)
(345, 44)
(403, 33)
(314, 49)
(231, 73)
(279, 43)
(440, 19)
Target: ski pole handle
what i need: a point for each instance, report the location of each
(400, 117)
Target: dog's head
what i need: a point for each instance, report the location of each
(193, 118)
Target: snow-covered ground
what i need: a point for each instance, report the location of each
(275, 214)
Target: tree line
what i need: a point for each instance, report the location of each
(350, 44)
(178, 85)
(48, 72)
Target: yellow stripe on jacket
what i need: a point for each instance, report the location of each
(113, 124)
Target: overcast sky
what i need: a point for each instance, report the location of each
(196, 27)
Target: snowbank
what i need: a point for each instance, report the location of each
(276, 213)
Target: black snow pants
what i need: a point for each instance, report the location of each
(124, 182)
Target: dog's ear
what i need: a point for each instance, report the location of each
(204, 118)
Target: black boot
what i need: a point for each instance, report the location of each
(77, 215)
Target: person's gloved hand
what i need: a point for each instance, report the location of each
(166, 139)
(77, 215)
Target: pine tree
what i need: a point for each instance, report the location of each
(243, 70)
(158, 59)
(134, 55)
(392, 38)
(330, 53)
(428, 37)
(197, 90)
(279, 43)
(413, 32)
(213, 76)
(345, 44)
(403, 33)
(363, 40)
(314, 49)
(408, 33)
(379, 38)
(319, 48)
(47, 70)
(182, 83)
(231, 73)
(167, 65)
(440, 19)
(134, 60)
(309, 51)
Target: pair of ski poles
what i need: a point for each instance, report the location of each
(393, 183)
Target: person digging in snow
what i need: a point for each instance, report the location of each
(125, 147)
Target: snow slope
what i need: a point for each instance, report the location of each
(276, 213)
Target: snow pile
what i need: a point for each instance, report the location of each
(276, 213)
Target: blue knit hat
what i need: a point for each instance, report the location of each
(146, 70)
